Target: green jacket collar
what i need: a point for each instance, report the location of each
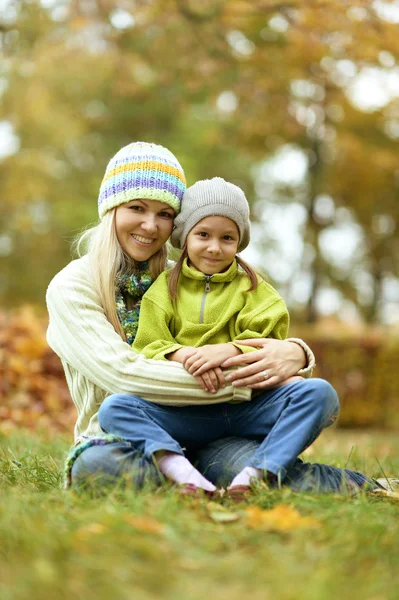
(228, 275)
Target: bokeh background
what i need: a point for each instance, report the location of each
(296, 102)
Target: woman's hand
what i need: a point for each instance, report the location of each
(270, 365)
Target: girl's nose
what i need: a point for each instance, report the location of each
(213, 246)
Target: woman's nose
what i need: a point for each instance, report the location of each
(149, 223)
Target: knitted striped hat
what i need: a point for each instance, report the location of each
(142, 170)
(211, 197)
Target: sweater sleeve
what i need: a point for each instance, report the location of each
(81, 335)
(154, 338)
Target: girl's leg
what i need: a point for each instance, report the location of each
(289, 418)
(158, 432)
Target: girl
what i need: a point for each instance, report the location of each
(197, 315)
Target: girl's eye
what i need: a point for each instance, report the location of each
(166, 215)
(227, 237)
(203, 234)
(136, 207)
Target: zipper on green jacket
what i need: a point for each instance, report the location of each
(207, 289)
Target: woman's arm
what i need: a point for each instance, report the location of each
(82, 336)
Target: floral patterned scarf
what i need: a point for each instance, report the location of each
(129, 291)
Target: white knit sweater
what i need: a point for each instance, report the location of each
(97, 362)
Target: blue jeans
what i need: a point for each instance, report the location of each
(284, 420)
(101, 467)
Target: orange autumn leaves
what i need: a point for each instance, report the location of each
(281, 518)
(33, 391)
(140, 523)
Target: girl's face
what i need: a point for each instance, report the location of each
(143, 226)
(212, 244)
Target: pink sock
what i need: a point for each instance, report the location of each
(244, 477)
(177, 468)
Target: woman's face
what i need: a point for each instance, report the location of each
(143, 226)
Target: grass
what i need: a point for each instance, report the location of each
(147, 545)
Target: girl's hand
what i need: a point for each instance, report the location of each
(211, 380)
(273, 363)
(209, 357)
(182, 354)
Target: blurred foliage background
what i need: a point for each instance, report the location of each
(296, 102)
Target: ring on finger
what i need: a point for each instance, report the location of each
(265, 375)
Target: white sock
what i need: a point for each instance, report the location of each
(179, 469)
(244, 477)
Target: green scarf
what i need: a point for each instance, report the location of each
(129, 291)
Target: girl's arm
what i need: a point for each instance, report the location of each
(154, 325)
(154, 338)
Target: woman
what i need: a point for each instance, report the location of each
(94, 300)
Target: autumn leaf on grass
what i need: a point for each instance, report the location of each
(146, 524)
(280, 518)
(220, 514)
(90, 529)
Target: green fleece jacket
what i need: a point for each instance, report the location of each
(210, 310)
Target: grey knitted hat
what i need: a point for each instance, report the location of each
(207, 198)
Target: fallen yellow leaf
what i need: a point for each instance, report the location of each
(280, 518)
(90, 529)
(146, 524)
(220, 514)
(223, 516)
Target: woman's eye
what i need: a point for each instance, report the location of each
(166, 215)
(136, 207)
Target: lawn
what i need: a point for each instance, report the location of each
(56, 544)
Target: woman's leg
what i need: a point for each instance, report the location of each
(101, 467)
(222, 460)
(118, 463)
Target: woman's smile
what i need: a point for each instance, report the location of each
(143, 240)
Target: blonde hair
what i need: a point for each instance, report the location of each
(175, 274)
(108, 261)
